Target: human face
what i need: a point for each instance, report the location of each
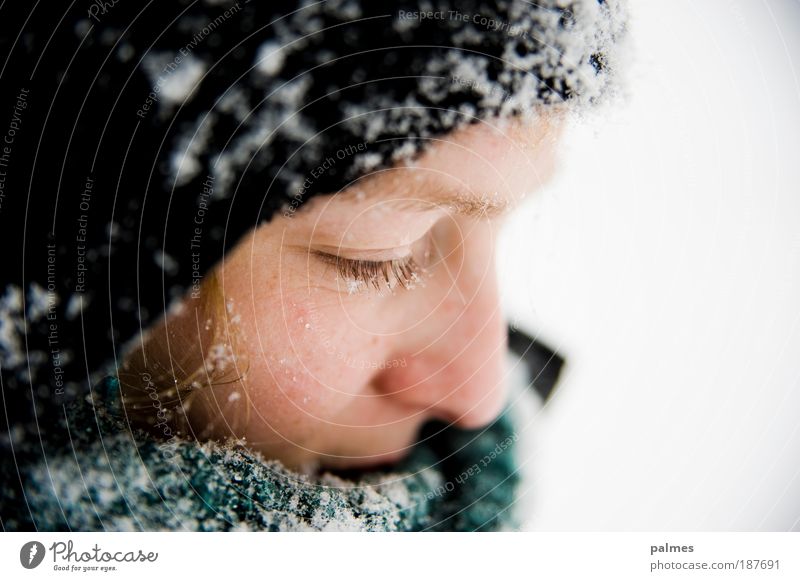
(371, 311)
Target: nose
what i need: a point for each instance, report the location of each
(455, 356)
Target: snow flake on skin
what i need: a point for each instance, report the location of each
(355, 286)
(176, 308)
(220, 358)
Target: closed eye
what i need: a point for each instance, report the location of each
(359, 275)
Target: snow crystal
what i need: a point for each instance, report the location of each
(403, 153)
(12, 300)
(355, 286)
(174, 81)
(11, 324)
(345, 9)
(39, 301)
(220, 357)
(165, 262)
(184, 168)
(234, 101)
(125, 52)
(190, 146)
(368, 161)
(74, 305)
(270, 58)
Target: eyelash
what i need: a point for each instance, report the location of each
(361, 275)
(358, 275)
(378, 274)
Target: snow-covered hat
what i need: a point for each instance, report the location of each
(149, 140)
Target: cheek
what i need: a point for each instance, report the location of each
(306, 360)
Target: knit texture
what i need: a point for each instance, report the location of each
(100, 475)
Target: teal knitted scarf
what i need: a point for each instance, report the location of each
(99, 474)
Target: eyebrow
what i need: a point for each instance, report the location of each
(465, 204)
(469, 204)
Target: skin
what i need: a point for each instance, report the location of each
(336, 373)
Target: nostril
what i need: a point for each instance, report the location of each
(404, 381)
(468, 391)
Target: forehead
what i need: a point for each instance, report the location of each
(484, 158)
(483, 169)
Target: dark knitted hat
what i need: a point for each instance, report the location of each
(143, 141)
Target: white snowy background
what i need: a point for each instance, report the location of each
(664, 262)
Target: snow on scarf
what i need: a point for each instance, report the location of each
(101, 475)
